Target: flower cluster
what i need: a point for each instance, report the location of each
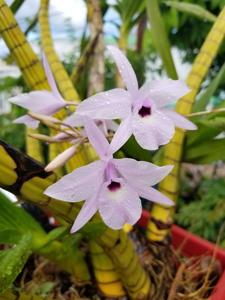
(111, 186)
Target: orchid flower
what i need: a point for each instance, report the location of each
(111, 186)
(42, 102)
(144, 112)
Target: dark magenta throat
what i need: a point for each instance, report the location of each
(145, 111)
(114, 186)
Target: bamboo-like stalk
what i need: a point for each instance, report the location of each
(33, 147)
(162, 217)
(62, 78)
(25, 57)
(120, 249)
(107, 277)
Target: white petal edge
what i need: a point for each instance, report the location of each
(155, 196)
(179, 120)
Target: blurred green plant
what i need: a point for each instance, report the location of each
(204, 215)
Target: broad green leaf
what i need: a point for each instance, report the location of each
(209, 126)
(192, 9)
(205, 98)
(9, 236)
(13, 217)
(206, 152)
(160, 38)
(12, 261)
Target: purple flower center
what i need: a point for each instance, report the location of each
(114, 186)
(145, 111)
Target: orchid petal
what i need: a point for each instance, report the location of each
(121, 136)
(74, 120)
(139, 173)
(50, 77)
(113, 104)
(86, 213)
(28, 121)
(125, 69)
(152, 131)
(179, 120)
(163, 92)
(155, 196)
(61, 159)
(40, 102)
(78, 185)
(119, 207)
(96, 137)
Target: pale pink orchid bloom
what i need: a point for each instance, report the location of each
(144, 112)
(42, 102)
(111, 186)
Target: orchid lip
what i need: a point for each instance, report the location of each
(114, 186)
(145, 111)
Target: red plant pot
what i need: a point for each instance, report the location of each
(192, 245)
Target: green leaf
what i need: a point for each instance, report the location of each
(130, 12)
(92, 229)
(13, 260)
(13, 217)
(192, 9)
(206, 152)
(160, 38)
(55, 234)
(132, 149)
(208, 128)
(9, 236)
(205, 98)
